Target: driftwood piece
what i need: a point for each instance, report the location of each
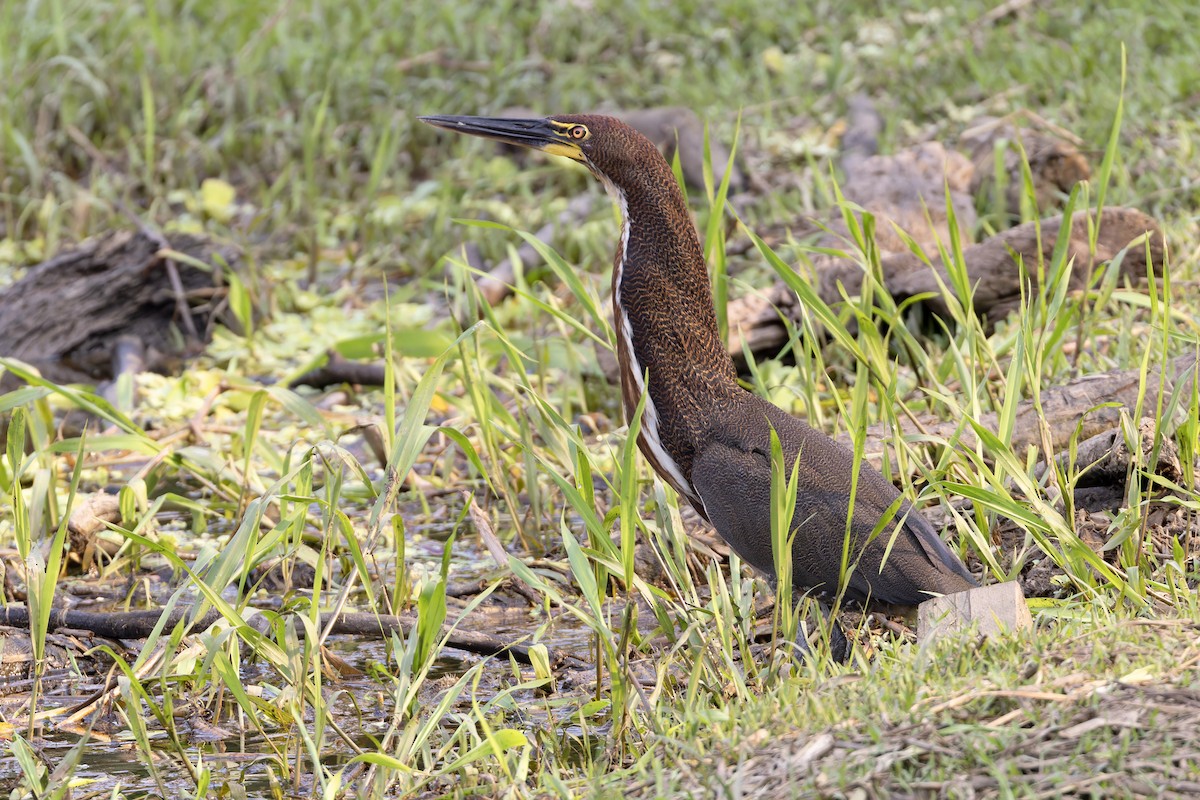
(1105, 459)
(66, 315)
(1064, 409)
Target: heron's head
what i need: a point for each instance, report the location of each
(612, 150)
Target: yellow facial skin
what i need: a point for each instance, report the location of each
(572, 134)
(564, 149)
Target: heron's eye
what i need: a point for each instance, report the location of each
(578, 132)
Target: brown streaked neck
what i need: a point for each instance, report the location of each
(665, 320)
(661, 284)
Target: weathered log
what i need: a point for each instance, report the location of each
(67, 314)
(1064, 409)
(1105, 459)
(993, 270)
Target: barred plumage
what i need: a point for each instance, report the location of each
(702, 432)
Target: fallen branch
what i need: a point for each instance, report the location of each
(139, 625)
(338, 370)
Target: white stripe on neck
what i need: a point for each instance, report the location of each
(625, 336)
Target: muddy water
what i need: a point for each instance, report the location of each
(362, 706)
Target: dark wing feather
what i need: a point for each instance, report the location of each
(901, 566)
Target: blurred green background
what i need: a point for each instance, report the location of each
(308, 108)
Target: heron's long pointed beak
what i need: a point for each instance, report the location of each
(537, 134)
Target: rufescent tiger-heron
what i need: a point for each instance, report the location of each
(703, 433)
